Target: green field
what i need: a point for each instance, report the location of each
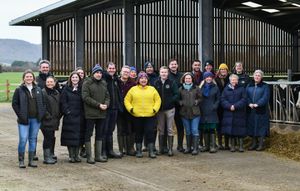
(14, 78)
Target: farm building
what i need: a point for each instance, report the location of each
(263, 34)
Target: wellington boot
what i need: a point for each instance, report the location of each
(188, 145)
(261, 146)
(89, 157)
(205, 147)
(98, 152)
(48, 157)
(195, 145)
(232, 144)
(212, 148)
(161, 145)
(151, 150)
(21, 160)
(111, 152)
(31, 162)
(76, 154)
(71, 154)
(130, 145)
(139, 153)
(170, 145)
(253, 144)
(241, 143)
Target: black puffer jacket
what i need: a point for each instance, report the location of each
(168, 93)
(73, 120)
(52, 115)
(20, 103)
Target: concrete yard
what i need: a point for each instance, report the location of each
(220, 171)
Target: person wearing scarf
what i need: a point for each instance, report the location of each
(189, 100)
(209, 107)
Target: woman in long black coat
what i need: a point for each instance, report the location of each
(73, 120)
(233, 101)
(258, 95)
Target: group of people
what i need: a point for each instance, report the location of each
(205, 106)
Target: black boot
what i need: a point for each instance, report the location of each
(76, 154)
(188, 145)
(232, 144)
(52, 150)
(151, 150)
(35, 158)
(205, 148)
(104, 150)
(195, 145)
(226, 142)
(212, 148)
(71, 154)
(161, 145)
(220, 142)
(82, 151)
(21, 160)
(98, 152)
(170, 145)
(31, 162)
(241, 143)
(261, 146)
(89, 157)
(253, 145)
(139, 153)
(48, 157)
(111, 152)
(130, 145)
(180, 142)
(122, 145)
(200, 141)
(165, 143)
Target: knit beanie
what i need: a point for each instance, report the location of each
(223, 66)
(148, 64)
(97, 68)
(207, 74)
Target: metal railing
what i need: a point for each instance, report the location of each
(283, 102)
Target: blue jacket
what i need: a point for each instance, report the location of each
(234, 122)
(258, 118)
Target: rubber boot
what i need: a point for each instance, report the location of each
(129, 146)
(139, 153)
(232, 144)
(165, 143)
(180, 142)
(212, 148)
(35, 158)
(71, 154)
(200, 141)
(21, 160)
(170, 145)
(98, 152)
(89, 157)
(253, 144)
(261, 146)
(111, 152)
(52, 150)
(145, 149)
(205, 148)
(121, 144)
(48, 157)
(161, 145)
(31, 162)
(226, 147)
(220, 142)
(188, 145)
(76, 154)
(151, 150)
(241, 143)
(195, 145)
(103, 151)
(82, 151)
(154, 143)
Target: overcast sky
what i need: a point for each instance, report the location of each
(13, 9)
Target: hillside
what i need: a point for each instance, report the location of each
(12, 49)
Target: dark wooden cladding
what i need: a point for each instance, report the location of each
(259, 45)
(168, 29)
(62, 46)
(104, 39)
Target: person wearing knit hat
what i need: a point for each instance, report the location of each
(133, 73)
(97, 68)
(222, 79)
(150, 71)
(209, 116)
(209, 66)
(143, 102)
(96, 100)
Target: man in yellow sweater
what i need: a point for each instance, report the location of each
(143, 102)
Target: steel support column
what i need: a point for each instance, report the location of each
(206, 30)
(79, 40)
(45, 42)
(129, 33)
(295, 65)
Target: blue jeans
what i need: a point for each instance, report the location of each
(28, 132)
(191, 126)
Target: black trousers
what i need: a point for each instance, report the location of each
(179, 126)
(124, 124)
(99, 127)
(144, 126)
(49, 136)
